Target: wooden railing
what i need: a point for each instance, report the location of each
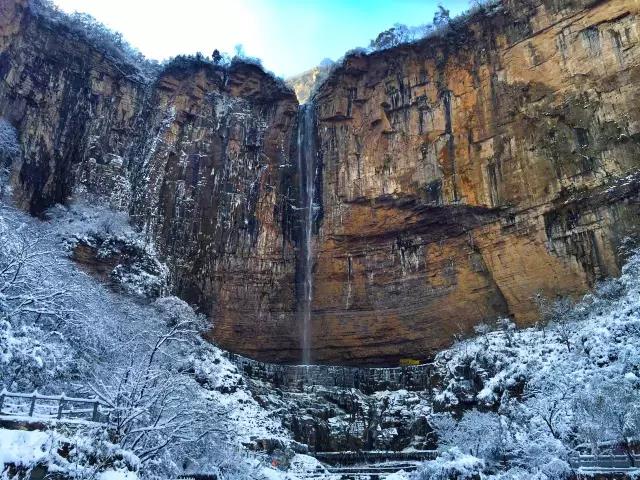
(49, 407)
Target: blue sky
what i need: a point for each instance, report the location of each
(289, 36)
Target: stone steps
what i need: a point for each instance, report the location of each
(362, 472)
(373, 469)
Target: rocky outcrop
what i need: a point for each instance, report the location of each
(338, 408)
(465, 174)
(330, 419)
(367, 380)
(456, 178)
(305, 83)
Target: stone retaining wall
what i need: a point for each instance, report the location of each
(368, 380)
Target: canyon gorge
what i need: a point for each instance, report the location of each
(420, 191)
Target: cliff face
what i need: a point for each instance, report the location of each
(466, 174)
(218, 187)
(199, 155)
(456, 178)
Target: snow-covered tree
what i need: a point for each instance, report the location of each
(452, 464)
(9, 151)
(8, 139)
(609, 410)
(550, 400)
(442, 17)
(157, 379)
(33, 305)
(27, 287)
(476, 433)
(397, 35)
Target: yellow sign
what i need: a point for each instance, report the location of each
(409, 362)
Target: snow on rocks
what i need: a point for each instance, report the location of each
(22, 451)
(23, 448)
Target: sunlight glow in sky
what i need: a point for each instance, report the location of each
(290, 36)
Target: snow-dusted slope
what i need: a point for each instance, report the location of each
(533, 398)
(63, 331)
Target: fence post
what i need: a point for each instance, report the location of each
(33, 403)
(95, 411)
(60, 406)
(2, 399)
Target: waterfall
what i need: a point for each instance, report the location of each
(306, 174)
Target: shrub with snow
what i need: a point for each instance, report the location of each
(9, 145)
(477, 434)
(104, 39)
(451, 465)
(9, 150)
(544, 393)
(108, 235)
(86, 454)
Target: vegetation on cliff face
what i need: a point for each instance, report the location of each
(307, 83)
(9, 152)
(113, 45)
(102, 38)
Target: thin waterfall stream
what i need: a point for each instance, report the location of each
(306, 169)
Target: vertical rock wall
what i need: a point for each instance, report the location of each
(219, 183)
(200, 156)
(467, 173)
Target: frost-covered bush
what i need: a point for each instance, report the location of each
(401, 34)
(190, 62)
(9, 150)
(241, 57)
(396, 35)
(138, 273)
(174, 310)
(553, 390)
(35, 306)
(223, 64)
(85, 454)
(476, 434)
(81, 219)
(609, 410)
(451, 465)
(9, 145)
(31, 358)
(132, 262)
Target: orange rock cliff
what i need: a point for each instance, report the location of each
(454, 179)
